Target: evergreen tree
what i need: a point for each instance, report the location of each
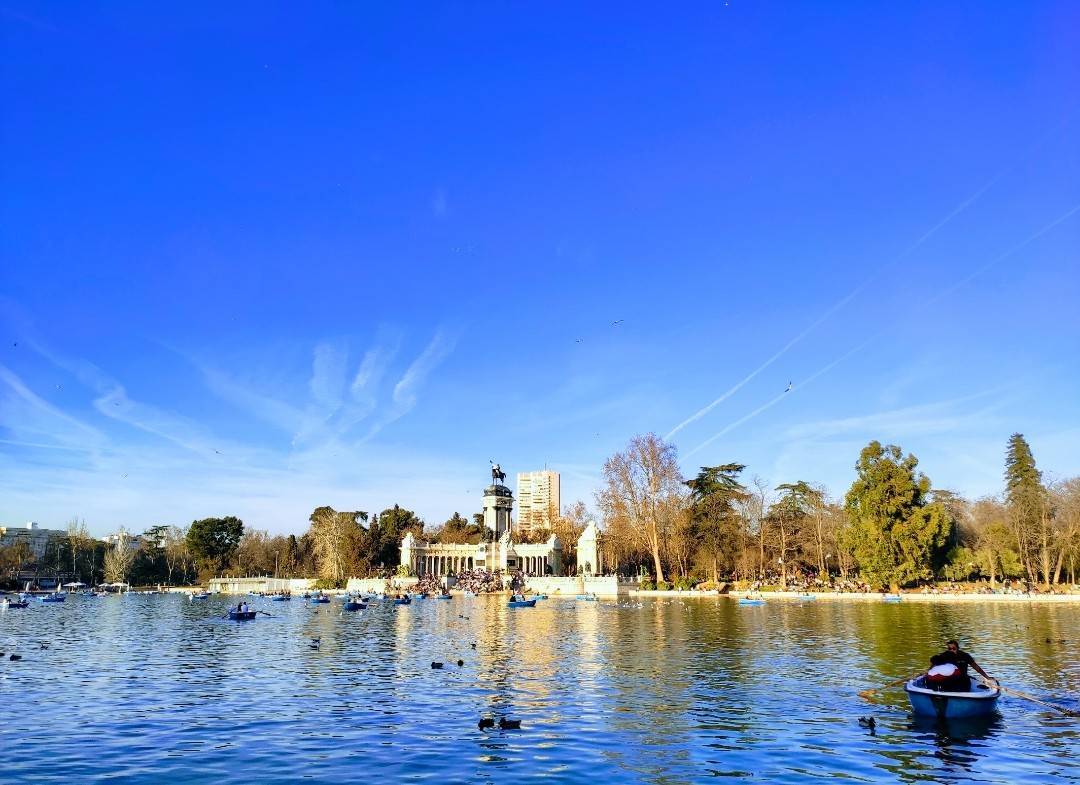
(715, 525)
(898, 535)
(1029, 511)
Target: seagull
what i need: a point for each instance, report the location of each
(616, 323)
(579, 340)
(789, 386)
(218, 452)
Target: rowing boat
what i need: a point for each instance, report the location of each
(280, 598)
(242, 615)
(979, 701)
(402, 601)
(352, 605)
(322, 599)
(521, 604)
(751, 601)
(892, 598)
(587, 597)
(442, 597)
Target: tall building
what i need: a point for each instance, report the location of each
(538, 499)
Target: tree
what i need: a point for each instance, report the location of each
(336, 537)
(714, 493)
(393, 522)
(458, 531)
(79, 541)
(643, 489)
(119, 558)
(212, 541)
(1029, 508)
(794, 507)
(898, 534)
(568, 528)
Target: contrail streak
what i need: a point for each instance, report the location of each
(925, 304)
(876, 274)
(838, 305)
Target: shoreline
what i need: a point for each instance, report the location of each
(870, 596)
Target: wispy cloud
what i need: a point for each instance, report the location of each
(30, 418)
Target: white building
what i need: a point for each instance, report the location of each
(496, 552)
(538, 499)
(37, 539)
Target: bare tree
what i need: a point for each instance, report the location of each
(334, 537)
(119, 558)
(641, 486)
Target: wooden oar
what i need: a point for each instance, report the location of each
(1033, 699)
(870, 692)
(264, 613)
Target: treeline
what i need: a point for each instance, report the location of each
(890, 529)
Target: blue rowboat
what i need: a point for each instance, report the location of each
(586, 597)
(442, 597)
(199, 596)
(280, 598)
(521, 604)
(807, 597)
(402, 601)
(352, 605)
(53, 598)
(16, 603)
(417, 596)
(242, 615)
(979, 701)
(892, 598)
(751, 601)
(321, 600)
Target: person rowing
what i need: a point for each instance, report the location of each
(949, 670)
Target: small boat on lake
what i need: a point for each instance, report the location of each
(418, 596)
(807, 598)
(353, 605)
(242, 615)
(280, 598)
(520, 602)
(586, 597)
(320, 599)
(442, 597)
(892, 598)
(54, 598)
(540, 596)
(751, 601)
(199, 595)
(10, 603)
(402, 601)
(979, 701)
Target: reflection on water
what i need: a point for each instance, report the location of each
(156, 689)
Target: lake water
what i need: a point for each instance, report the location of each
(157, 689)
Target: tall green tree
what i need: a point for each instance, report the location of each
(392, 525)
(1029, 509)
(898, 535)
(792, 510)
(213, 541)
(716, 524)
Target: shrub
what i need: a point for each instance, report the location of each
(684, 584)
(647, 584)
(325, 584)
(663, 586)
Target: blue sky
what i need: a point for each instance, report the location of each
(258, 259)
